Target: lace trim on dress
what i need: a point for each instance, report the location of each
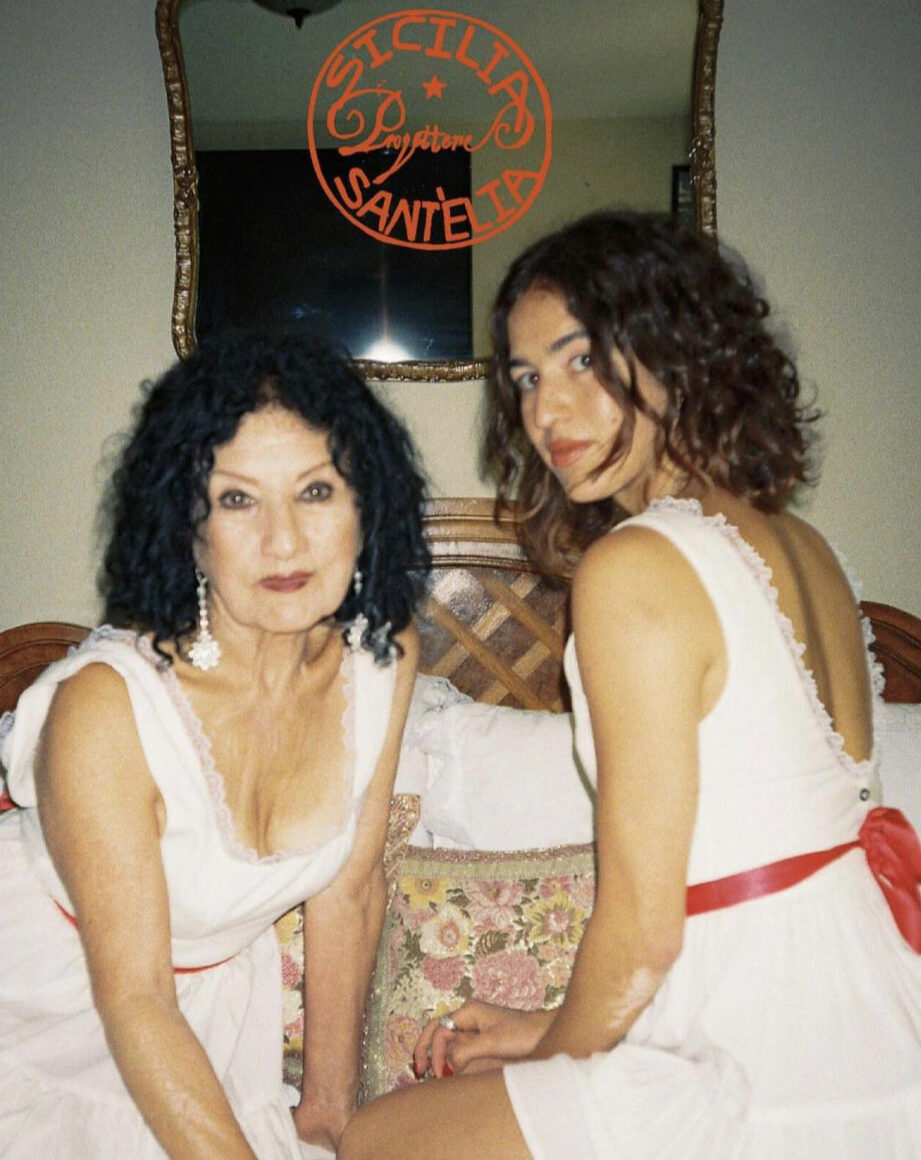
(204, 751)
(764, 576)
(877, 672)
(7, 721)
(107, 632)
(349, 721)
(215, 782)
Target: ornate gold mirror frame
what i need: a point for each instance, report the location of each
(185, 185)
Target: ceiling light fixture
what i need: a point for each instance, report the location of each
(297, 12)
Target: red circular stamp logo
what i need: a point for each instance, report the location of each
(430, 129)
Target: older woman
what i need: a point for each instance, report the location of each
(222, 751)
(744, 988)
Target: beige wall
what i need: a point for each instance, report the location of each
(819, 184)
(819, 179)
(596, 164)
(86, 221)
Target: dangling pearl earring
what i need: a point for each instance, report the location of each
(359, 626)
(355, 632)
(205, 651)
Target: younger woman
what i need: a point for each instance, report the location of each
(749, 984)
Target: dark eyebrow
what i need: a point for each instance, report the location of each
(555, 346)
(250, 480)
(568, 338)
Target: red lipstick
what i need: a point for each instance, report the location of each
(290, 583)
(564, 452)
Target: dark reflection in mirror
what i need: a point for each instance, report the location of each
(629, 100)
(274, 251)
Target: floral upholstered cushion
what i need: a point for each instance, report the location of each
(290, 932)
(498, 927)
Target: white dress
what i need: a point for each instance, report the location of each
(61, 1096)
(789, 1027)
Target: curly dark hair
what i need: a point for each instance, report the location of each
(158, 494)
(663, 295)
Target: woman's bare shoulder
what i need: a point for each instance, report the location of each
(636, 566)
(91, 756)
(90, 719)
(807, 534)
(807, 560)
(94, 688)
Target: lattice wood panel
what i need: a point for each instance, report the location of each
(496, 634)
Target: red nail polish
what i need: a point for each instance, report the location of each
(418, 1074)
(447, 1070)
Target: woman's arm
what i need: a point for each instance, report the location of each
(342, 926)
(102, 816)
(651, 655)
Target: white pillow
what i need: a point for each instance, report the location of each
(898, 741)
(503, 779)
(494, 778)
(431, 695)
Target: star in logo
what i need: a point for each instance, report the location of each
(434, 88)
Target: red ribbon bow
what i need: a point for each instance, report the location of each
(894, 856)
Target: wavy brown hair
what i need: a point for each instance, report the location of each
(665, 296)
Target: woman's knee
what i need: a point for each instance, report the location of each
(357, 1141)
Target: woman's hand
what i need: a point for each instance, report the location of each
(486, 1037)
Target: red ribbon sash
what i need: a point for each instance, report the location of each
(893, 854)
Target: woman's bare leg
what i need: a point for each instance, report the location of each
(462, 1118)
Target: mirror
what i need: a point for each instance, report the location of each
(597, 103)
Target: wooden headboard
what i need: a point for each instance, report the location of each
(491, 624)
